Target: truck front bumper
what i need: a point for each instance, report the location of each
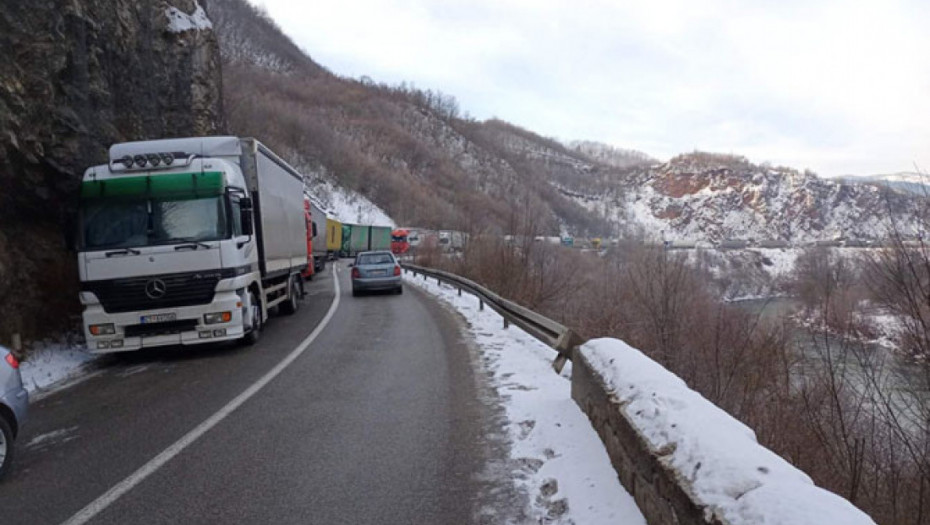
(187, 328)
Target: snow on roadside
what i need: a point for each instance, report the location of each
(51, 366)
(727, 470)
(567, 474)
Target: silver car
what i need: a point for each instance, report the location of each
(14, 401)
(373, 271)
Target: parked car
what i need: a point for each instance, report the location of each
(377, 270)
(14, 400)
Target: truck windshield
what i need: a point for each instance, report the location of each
(125, 224)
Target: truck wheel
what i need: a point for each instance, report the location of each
(6, 446)
(255, 333)
(292, 304)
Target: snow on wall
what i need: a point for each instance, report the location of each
(738, 480)
(179, 21)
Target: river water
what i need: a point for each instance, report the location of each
(895, 374)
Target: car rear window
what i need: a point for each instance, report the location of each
(375, 258)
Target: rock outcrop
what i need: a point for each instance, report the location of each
(79, 75)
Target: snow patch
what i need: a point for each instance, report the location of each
(51, 366)
(179, 21)
(739, 480)
(62, 435)
(559, 460)
(349, 207)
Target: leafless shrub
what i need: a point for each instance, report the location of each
(809, 395)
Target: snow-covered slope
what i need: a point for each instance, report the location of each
(713, 197)
(346, 205)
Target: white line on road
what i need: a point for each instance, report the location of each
(100, 504)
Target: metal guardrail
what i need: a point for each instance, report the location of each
(557, 336)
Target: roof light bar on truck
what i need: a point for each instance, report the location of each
(152, 160)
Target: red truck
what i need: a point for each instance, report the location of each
(400, 244)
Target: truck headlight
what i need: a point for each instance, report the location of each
(102, 329)
(217, 317)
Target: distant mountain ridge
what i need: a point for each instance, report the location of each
(413, 154)
(903, 181)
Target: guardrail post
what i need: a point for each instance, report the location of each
(17, 343)
(565, 346)
(480, 305)
(460, 292)
(506, 323)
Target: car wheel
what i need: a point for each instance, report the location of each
(255, 310)
(292, 304)
(400, 290)
(6, 446)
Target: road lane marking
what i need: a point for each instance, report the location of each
(109, 497)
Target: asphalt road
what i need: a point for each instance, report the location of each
(380, 420)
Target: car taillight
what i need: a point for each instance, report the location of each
(396, 271)
(355, 273)
(11, 359)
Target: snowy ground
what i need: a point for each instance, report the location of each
(52, 366)
(567, 473)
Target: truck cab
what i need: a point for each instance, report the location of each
(169, 245)
(400, 243)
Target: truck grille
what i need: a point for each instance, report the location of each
(155, 291)
(168, 327)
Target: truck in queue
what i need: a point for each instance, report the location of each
(319, 253)
(188, 241)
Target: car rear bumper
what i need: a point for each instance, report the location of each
(377, 283)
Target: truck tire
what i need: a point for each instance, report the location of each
(292, 304)
(6, 446)
(255, 333)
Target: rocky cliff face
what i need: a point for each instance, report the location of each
(79, 75)
(714, 197)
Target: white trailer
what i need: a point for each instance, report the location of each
(188, 241)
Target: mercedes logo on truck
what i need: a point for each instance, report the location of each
(156, 289)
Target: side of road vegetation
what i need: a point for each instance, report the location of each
(845, 411)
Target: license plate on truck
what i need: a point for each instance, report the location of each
(158, 318)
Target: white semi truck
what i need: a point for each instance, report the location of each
(188, 241)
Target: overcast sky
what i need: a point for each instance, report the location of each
(836, 86)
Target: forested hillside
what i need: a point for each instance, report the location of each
(416, 154)
(409, 151)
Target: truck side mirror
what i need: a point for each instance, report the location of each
(246, 218)
(245, 215)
